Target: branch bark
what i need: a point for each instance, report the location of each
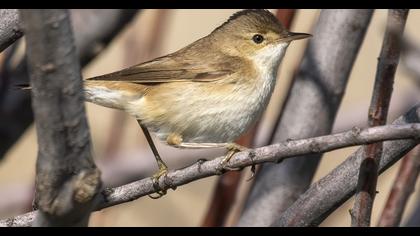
(15, 106)
(326, 195)
(271, 153)
(322, 78)
(67, 180)
(10, 27)
(402, 188)
(410, 59)
(378, 112)
(97, 27)
(414, 219)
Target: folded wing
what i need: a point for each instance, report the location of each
(167, 69)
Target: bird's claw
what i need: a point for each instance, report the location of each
(163, 170)
(232, 149)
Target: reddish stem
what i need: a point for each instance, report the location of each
(378, 111)
(401, 190)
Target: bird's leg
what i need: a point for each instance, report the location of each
(231, 147)
(163, 169)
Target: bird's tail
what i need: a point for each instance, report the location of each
(106, 93)
(112, 94)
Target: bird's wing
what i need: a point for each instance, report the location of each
(167, 69)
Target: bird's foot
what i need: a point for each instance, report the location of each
(232, 149)
(163, 170)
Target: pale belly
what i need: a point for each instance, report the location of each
(199, 114)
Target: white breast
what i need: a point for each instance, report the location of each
(267, 61)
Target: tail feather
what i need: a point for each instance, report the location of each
(112, 94)
(109, 94)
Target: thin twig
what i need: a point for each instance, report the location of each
(401, 190)
(271, 153)
(67, 180)
(378, 112)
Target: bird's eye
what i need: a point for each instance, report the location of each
(258, 38)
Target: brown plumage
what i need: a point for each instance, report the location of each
(206, 94)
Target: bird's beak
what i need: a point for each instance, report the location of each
(296, 36)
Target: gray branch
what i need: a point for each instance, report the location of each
(326, 195)
(411, 59)
(97, 27)
(10, 27)
(67, 180)
(93, 30)
(271, 153)
(414, 219)
(106, 22)
(309, 111)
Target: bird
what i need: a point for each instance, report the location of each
(208, 93)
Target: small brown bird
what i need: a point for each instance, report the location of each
(206, 94)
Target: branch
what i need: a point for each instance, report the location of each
(322, 78)
(410, 59)
(125, 166)
(286, 16)
(67, 180)
(107, 21)
(223, 197)
(97, 27)
(271, 153)
(10, 27)
(15, 106)
(401, 190)
(414, 218)
(378, 112)
(326, 195)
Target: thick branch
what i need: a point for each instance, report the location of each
(97, 27)
(414, 219)
(326, 195)
(378, 112)
(67, 180)
(322, 79)
(410, 59)
(10, 27)
(271, 153)
(402, 188)
(90, 35)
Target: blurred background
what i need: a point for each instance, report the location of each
(122, 152)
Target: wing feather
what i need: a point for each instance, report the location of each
(167, 69)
